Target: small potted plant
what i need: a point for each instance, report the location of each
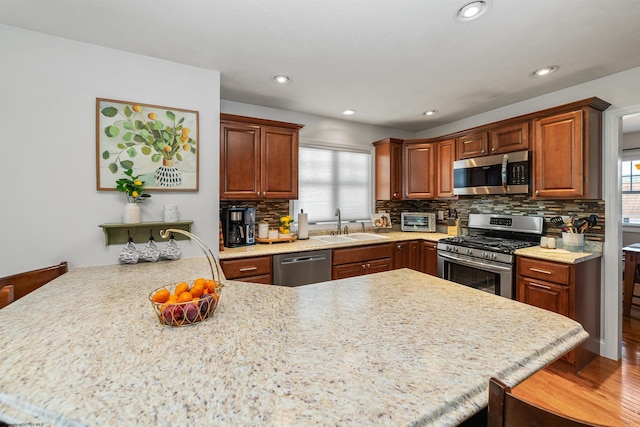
(133, 187)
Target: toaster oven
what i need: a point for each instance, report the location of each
(418, 221)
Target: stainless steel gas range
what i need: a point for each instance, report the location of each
(484, 259)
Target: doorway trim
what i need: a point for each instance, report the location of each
(611, 306)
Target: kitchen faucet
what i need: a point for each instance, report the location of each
(339, 222)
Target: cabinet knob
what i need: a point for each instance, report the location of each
(399, 247)
(368, 265)
(482, 151)
(493, 150)
(537, 193)
(364, 266)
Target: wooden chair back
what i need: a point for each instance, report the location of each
(507, 410)
(23, 283)
(6, 295)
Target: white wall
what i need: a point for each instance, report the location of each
(49, 207)
(318, 129)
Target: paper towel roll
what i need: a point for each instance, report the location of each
(303, 226)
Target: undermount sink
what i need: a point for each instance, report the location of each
(367, 236)
(333, 239)
(351, 238)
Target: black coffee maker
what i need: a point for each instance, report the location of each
(238, 226)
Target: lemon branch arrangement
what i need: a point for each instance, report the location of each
(132, 187)
(146, 132)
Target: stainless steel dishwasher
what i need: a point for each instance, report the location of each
(302, 268)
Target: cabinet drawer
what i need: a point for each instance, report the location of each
(245, 267)
(544, 270)
(362, 253)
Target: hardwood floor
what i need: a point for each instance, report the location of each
(605, 392)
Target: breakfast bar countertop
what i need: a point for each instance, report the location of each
(393, 348)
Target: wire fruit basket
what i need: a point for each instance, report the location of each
(203, 298)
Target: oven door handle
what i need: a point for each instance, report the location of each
(467, 261)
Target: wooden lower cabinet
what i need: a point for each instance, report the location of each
(253, 269)
(572, 290)
(361, 260)
(406, 255)
(429, 258)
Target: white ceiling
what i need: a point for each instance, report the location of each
(389, 60)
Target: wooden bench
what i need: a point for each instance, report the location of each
(21, 284)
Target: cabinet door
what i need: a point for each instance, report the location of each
(379, 265)
(264, 279)
(559, 156)
(445, 156)
(429, 258)
(472, 145)
(344, 271)
(239, 161)
(419, 168)
(545, 295)
(510, 138)
(401, 255)
(388, 169)
(279, 177)
(415, 251)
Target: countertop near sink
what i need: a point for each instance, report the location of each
(313, 244)
(591, 250)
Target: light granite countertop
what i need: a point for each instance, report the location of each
(591, 250)
(311, 244)
(393, 348)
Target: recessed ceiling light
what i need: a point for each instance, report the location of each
(430, 112)
(544, 71)
(348, 112)
(281, 79)
(472, 10)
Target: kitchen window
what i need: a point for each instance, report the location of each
(631, 188)
(331, 178)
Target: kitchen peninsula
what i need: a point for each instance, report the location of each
(393, 348)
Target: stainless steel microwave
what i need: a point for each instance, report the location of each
(418, 221)
(499, 174)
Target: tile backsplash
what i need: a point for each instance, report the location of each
(506, 205)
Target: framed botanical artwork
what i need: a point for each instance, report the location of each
(158, 143)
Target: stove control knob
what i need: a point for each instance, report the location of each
(469, 251)
(494, 256)
(485, 255)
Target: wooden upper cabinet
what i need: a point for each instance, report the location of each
(509, 138)
(473, 145)
(280, 168)
(445, 156)
(258, 158)
(567, 157)
(388, 169)
(239, 160)
(419, 171)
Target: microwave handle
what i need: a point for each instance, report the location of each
(505, 182)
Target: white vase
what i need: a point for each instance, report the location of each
(131, 213)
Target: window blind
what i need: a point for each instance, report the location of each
(330, 179)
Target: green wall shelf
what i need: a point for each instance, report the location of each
(116, 233)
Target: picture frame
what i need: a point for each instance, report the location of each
(160, 144)
(381, 220)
